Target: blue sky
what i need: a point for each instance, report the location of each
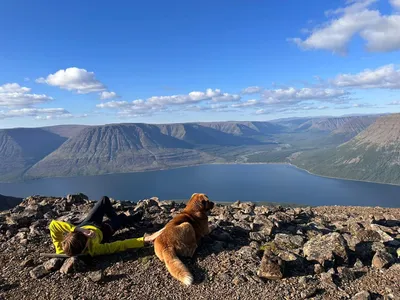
(96, 62)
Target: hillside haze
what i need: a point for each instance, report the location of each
(21, 148)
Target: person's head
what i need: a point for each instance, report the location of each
(74, 243)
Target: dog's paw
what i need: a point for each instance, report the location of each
(187, 280)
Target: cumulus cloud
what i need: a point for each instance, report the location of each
(252, 90)
(162, 103)
(380, 32)
(397, 102)
(385, 77)
(357, 105)
(74, 79)
(113, 104)
(293, 95)
(14, 95)
(217, 107)
(38, 113)
(266, 111)
(395, 3)
(193, 97)
(248, 103)
(108, 95)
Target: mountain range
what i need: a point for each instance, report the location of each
(372, 155)
(348, 147)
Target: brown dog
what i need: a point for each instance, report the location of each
(181, 236)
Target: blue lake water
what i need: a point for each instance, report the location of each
(222, 183)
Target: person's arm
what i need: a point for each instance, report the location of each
(118, 246)
(57, 231)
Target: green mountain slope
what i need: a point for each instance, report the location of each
(373, 155)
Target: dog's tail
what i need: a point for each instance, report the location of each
(175, 266)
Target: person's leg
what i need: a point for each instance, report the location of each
(109, 227)
(96, 215)
(128, 221)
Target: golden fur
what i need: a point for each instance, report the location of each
(181, 236)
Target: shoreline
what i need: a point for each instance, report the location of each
(205, 164)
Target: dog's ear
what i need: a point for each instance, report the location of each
(204, 204)
(204, 201)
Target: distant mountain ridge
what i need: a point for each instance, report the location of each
(73, 150)
(21, 148)
(134, 147)
(7, 202)
(354, 124)
(373, 155)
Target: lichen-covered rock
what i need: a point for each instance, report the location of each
(259, 236)
(382, 259)
(366, 250)
(288, 241)
(262, 223)
(96, 276)
(71, 265)
(38, 272)
(363, 295)
(53, 264)
(368, 236)
(329, 249)
(271, 266)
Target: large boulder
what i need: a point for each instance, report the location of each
(288, 241)
(262, 223)
(271, 266)
(328, 250)
(72, 264)
(53, 264)
(38, 272)
(368, 236)
(382, 259)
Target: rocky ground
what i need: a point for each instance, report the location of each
(256, 252)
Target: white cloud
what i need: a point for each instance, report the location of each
(385, 77)
(13, 88)
(395, 3)
(163, 103)
(216, 107)
(380, 32)
(108, 95)
(13, 95)
(356, 105)
(293, 95)
(193, 97)
(225, 97)
(384, 36)
(265, 111)
(38, 113)
(397, 102)
(252, 90)
(74, 79)
(248, 103)
(114, 104)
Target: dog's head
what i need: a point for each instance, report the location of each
(200, 202)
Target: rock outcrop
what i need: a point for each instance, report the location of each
(265, 252)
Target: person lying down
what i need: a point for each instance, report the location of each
(92, 235)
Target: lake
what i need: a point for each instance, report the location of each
(222, 183)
